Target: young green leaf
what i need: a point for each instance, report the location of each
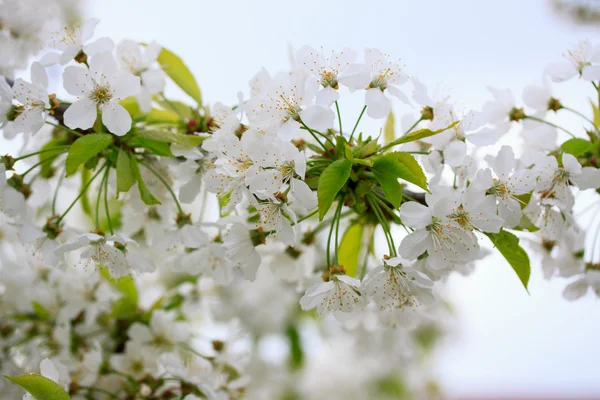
(576, 146)
(390, 185)
(127, 304)
(85, 148)
(48, 157)
(350, 247)
(156, 147)
(296, 352)
(420, 134)
(40, 387)
(145, 194)
(402, 165)
(171, 137)
(180, 74)
(389, 131)
(125, 175)
(331, 181)
(508, 245)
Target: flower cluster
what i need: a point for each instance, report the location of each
(155, 245)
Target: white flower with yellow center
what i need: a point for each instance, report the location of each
(326, 69)
(99, 89)
(396, 285)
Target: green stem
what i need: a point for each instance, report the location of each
(83, 190)
(336, 216)
(315, 137)
(41, 152)
(164, 182)
(59, 183)
(337, 107)
(383, 222)
(543, 121)
(98, 201)
(306, 217)
(357, 122)
(337, 234)
(412, 127)
(36, 165)
(110, 228)
(64, 128)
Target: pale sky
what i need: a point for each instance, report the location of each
(509, 342)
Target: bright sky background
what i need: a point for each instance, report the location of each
(508, 342)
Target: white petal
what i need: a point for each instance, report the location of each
(561, 71)
(77, 81)
(99, 46)
(455, 153)
(394, 91)
(81, 114)
(378, 105)
(116, 118)
(317, 117)
(504, 162)
(48, 370)
(39, 76)
(326, 97)
(415, 244)
(87, 29)
(126, 85)
(576, 290)
(303, 194)
(355, 76)
(415, 215)
(289, 130)
(50, 59)
(588, 179)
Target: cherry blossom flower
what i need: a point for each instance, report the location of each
(340, 295)
(132, 60)
(581, 61)
(71, 42)
(326, 69)
(396, 284)
(99, 89)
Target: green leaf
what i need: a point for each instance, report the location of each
(389, 131)
(40, 387)
(390, 185)
(576, 146)
(508, 245)
(156, 147)
(86, 175)
(180, 74)
(331, 181)
(296, 352)
(162, 116)
(125, 175)
(40, 310)
(403, 166)
(350, 247)
(596, 112)
(85, 148)
(171, 137)
(420, 134)
(48, 157)
(155, 116)
(127, 304)
(147, 197)
(177, 106)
